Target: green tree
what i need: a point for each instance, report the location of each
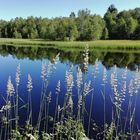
(131, 27)
(72, 15)
(126, 25)
(17, 35)
(110, 18)
(73, 33)
(105, 34)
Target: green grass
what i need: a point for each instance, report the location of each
(99, 44)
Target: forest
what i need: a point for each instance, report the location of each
(80, 26)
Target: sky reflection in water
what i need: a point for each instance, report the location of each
(8, 65)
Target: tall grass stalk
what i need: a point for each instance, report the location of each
(79, 82)
(56, 103)
(136, 89)
(47, 113)
(69, 86)
(43, 88)
(104, 97)
(29, 109)
(115, 97)
(94, 74)
(45, 75)
(121, 97)
(85, 67)
(130, 102)
(10, 92)
(17, 97)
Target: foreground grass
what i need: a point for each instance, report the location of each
(99, 44)
(66, 124)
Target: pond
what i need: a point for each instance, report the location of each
(104, 96)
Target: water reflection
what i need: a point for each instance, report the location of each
(101, 63)
(108, 59)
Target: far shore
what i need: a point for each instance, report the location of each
(98, 44)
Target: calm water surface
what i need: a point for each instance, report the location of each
(31, 59)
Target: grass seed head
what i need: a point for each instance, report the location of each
(29, 83)
(10, 87)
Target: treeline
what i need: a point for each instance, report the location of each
(80, 26)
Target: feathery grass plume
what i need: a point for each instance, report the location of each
(87, 86)
(58, 87)
(104, 97)
(114, 95)
(52, 65)
(79, 78)
(43, 71)
(131, 88)
(114, 80)
(104, 76)
(69, 81)
(43, 90)
(79, 107)
(114, 84)
(70, 106)
(129, 109)
(56, 59)
(10, 92)
(86, 91)
(56, 103)
(5, 107)
(29, 109)
(124, 78)
(122, 95)
(10, 87)
(45, 75)
(86, 58)
(79, 82)
(136, 89)
(17, 80)
(18, 75)
(118, 97)
(95, 69)
(136, 81)
(29, 83)
(69, 86)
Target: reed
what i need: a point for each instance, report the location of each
(17, 80)
(29, 108)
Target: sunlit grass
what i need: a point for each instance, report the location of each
(100, 44)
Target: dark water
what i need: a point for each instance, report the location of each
(31, 59)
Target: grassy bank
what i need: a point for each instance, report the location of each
(100, 44)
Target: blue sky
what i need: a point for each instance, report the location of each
(55, 8)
